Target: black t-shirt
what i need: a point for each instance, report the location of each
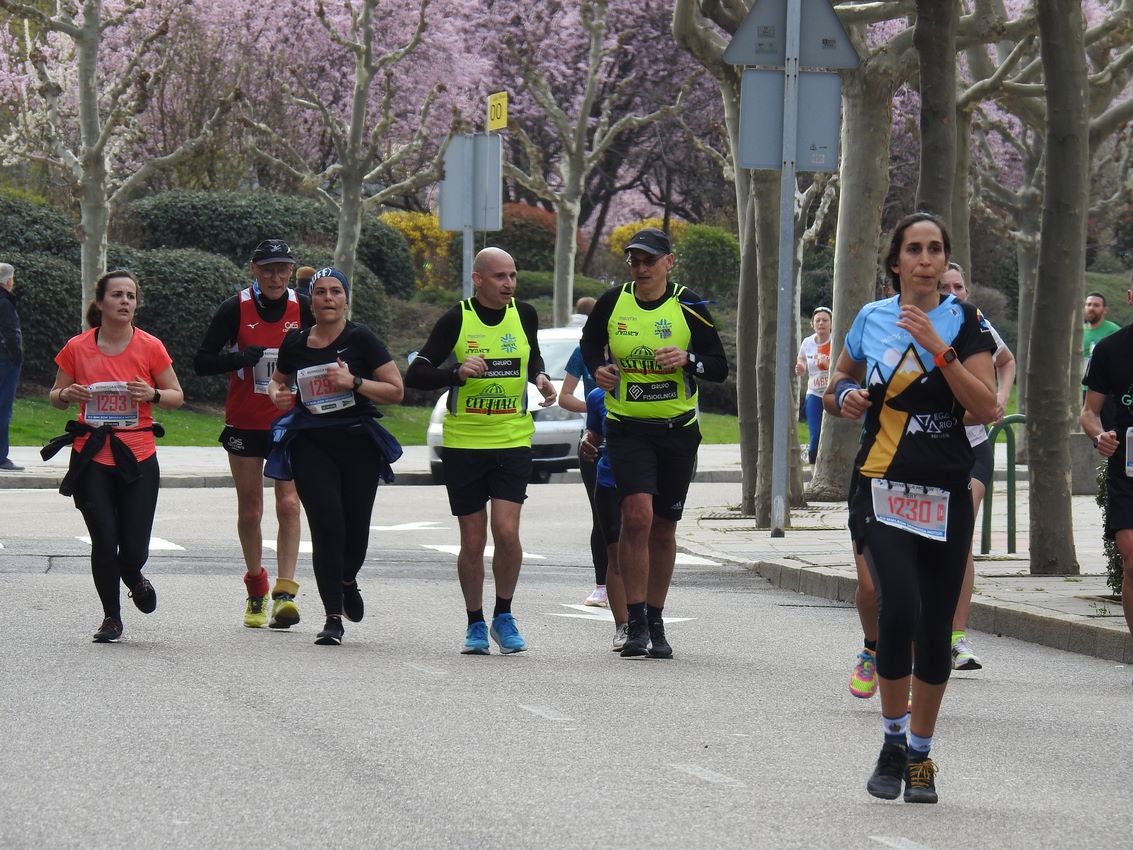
(1111, 373)
(356, 346)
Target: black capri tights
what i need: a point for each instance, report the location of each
(336, 476)
(917, 582)
(119, 517)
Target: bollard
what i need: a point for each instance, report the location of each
(985, 536)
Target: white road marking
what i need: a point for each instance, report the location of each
(407, 526)
(898, 843)
(304, 546)
(588, 612)
(695, 561)
(488, 550)
(156, 544)
(421, 668)
(708, 775)
(547, 713)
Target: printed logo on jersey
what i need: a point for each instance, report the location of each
(253, 325)
(471, 345)
(623, 330)
(290, 326)
(984, 325)
(657, 391)
(663, 329)
(508, 343)
(930, 423)
(893, 420)
(639, 362)
(491, 401)
(502, 367)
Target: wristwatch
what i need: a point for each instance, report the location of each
(945, 357)
(1095, 440)
(156, 396)
(357, 383)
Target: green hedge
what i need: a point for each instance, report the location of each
(30, 227)
(385, 251)
(47, 295)
(540, 284)
(708, 262)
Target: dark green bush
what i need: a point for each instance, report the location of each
(708, 262)
(227, 223)
(721, 398)
(47, 295)
(541, 284)
(30, 227)
(385, 252)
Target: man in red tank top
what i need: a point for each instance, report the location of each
(243, 340)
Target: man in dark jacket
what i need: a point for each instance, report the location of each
(11, 357)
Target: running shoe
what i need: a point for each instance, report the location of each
(885, 782)
(284, 612)
(332, 632)
(962, 656)
(256, 611)
(144, 596)
(920, 782)
(352, 607)
(598, 598)
(506, 634)
(476, 639)
(863, 681)
(109, 632)
(620, 635)
(637, 641)
(658, 645)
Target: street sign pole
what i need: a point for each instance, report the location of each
(780, 462)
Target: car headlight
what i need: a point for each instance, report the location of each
(554, 413)
(438, 414)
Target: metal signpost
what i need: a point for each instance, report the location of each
(787, 34)
(471, 193)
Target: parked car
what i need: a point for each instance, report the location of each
(557, 431)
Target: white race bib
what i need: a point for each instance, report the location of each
(111, 405)
(911, 507)
(264, 369)
(318, 393)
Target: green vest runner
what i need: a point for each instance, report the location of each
(491, 412)
(646, 390)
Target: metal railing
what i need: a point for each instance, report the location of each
(985, 536)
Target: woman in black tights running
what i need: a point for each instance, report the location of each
(332, 442)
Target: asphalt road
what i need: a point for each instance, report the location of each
(197, 732)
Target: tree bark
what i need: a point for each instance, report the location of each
(935, 40)
(1061, 259)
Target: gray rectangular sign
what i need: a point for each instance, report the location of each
(471, 193)
(761, 120)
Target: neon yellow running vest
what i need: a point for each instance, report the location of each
(646, 390)
(491, 412)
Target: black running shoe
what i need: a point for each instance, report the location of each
(659, 647)
(331, 635)
(109, 632)
(637, 644)
(144, 596)
(886, 779)
(920, 782)
(352, 607)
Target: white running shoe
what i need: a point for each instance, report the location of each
(598, 598)
(962, 656)
(620, 636)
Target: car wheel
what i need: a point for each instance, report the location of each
(438, 472)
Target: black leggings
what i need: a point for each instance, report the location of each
(119, 517)
(917, 582)
(336, 475)
(597, 538)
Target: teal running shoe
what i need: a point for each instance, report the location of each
(506, 634)
(476, 639)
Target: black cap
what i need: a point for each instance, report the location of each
(272, 251)
(651, 240)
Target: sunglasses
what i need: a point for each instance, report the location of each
(648, 261)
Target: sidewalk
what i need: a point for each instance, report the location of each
(1072, 613)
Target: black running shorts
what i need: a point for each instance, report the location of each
(984, 464)
(475, 476)
(1119, 505)
(244, 443)
(653, 458)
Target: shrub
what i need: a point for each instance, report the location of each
(227, 223)
(385, 251)
(541, 284)
(430, 249)
(721, 398)
(29, 226)
(708, 262)
(47, 295)
(1114, 565)
(619, 237)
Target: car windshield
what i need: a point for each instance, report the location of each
(556, 353)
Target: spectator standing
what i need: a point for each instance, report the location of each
(11, 358)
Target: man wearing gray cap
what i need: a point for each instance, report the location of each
(11, 357)
(661, 340)
(243, 340)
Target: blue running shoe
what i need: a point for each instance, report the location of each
(476, 639)
(506, 634)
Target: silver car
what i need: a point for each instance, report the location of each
(557, 431)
